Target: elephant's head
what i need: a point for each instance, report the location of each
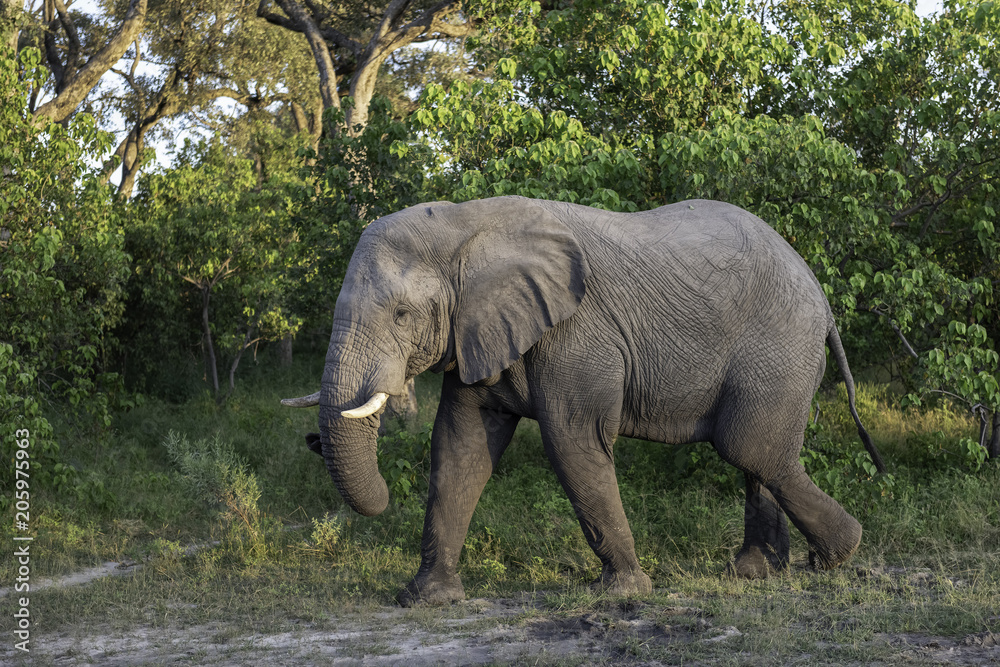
(436, 286)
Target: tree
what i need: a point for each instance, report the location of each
(194, 54)
(351, 41)
(918, 103)
(215, 249)
(78, 50)
(62, 275)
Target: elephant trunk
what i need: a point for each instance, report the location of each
(349, 434)
(349, 447)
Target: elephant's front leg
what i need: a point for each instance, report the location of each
(466, 444)
(582, 457)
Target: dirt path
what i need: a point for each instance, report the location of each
(475, 632)
(108, 569)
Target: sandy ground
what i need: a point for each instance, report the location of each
(474, 632)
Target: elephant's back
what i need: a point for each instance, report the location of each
(703, 295)
(712, 252)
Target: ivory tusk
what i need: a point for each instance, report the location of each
(373, 405)
(302, 401)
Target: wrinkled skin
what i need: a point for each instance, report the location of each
(692, 322)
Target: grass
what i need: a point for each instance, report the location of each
(929, 563)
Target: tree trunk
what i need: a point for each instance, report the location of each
(247, 342)
(285, 351)
(993, 449)
(305, 24)
(310, 123)
(131, 161)
(206, 293)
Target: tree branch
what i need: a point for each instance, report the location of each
(386, 40)
(431, 25)
(331, 34)
(82, 82)
(49, 41)
(72, 36)
(305, 24)
(277, 19)
(906, 344)
(135, 61)
(892, 323)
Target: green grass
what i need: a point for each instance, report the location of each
(929, 562)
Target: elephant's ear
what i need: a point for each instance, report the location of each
(519, 275)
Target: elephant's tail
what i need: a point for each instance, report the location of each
(837, 349)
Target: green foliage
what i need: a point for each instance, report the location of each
(216, 253)
(499, 147)
(214, 473)
(404, 459)
(919, 106)
(62, 270)
(357, 178)
(326, 535)
(635, 66)
(844, 471)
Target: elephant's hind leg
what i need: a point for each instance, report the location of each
(765, 541)
(771, 456)
(833, 534)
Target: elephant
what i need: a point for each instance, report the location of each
(692, 322)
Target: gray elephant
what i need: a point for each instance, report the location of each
(692, 322)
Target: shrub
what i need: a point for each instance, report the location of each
(62, 272)
(404, 460)
(217, 475)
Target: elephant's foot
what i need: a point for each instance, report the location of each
(834, 548)
(431, 590)
(624, 582)
(752, 562)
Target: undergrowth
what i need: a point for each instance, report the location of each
(216, 500)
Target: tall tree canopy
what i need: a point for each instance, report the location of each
(866, 134)
(351, 41)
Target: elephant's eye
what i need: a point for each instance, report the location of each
(402, 316)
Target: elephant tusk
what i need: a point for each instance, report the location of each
(373, 405)
(302, 401)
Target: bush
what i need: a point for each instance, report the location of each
(404, 460)
(217, 475)
(62, 274)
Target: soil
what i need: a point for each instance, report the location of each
(474, 632)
